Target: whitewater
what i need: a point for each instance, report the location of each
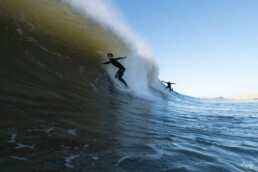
(63, 110)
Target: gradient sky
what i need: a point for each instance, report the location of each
(208, 47)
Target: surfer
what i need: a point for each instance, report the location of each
(169, 85)
(121, 70)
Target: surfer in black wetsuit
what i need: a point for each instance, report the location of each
(169, 86)
(121, 71)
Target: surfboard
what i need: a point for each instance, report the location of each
(121, 87)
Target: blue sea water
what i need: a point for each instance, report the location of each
(178, 133)
(191, 134)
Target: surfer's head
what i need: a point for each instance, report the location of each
(110, 55)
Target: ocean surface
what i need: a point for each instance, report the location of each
(62, 110)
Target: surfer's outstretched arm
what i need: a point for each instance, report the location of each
(118, 58)
(107, 62)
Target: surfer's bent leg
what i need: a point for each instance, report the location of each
(120, 75)
(117, 73)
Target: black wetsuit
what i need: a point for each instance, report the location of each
(169, 86)
(121, 70)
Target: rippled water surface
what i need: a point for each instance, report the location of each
(129, 134)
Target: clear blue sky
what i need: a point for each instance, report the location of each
(208, 47)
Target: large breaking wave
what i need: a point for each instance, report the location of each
(76, 35)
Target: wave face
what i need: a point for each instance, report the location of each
(75, 40)
(62, 110)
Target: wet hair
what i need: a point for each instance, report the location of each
(110, 54)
